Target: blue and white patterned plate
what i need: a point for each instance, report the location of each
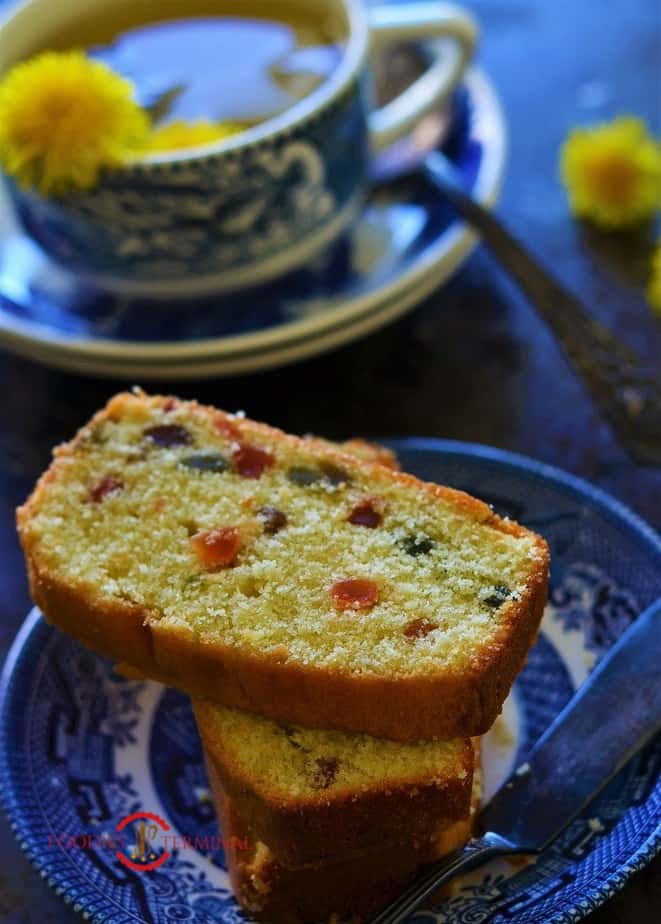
(81, 747)
(405, 243)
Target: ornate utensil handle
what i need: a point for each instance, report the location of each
(628, 393)
(475, 853)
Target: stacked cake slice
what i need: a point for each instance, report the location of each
(343, 627)
(289, 882)
(321, 823)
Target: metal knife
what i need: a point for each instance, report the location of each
(614, 714)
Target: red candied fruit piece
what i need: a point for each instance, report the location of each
(104, 488)
(354, 594)
(367, 512)
(326, 772)
(226, 427)
(274, 520)
(169, 405)
(252, 462)
(419, 628)
(217, 548)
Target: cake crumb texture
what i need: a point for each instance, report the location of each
(127, 506)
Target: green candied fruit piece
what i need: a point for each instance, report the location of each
(500, 594)
(206, 462)
(417, 545)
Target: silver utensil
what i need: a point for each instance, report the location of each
(614, 714)
(159, 105)
(625, 387)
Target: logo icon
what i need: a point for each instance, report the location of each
(143, 854)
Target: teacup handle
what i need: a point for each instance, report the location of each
(421, 20)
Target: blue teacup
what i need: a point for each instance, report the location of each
(254, 206)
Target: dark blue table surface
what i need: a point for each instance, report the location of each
(472, 363)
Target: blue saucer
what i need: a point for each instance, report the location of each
(405, 243)
(81, 747)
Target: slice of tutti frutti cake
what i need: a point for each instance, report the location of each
(280, 574)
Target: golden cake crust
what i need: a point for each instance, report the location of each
(442, 704)
(349, 890)
(311, 826)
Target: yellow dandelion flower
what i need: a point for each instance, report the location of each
(178, 134)
(612, 173)
(65, 117)
(654, 286)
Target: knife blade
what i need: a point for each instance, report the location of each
(612, 715)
